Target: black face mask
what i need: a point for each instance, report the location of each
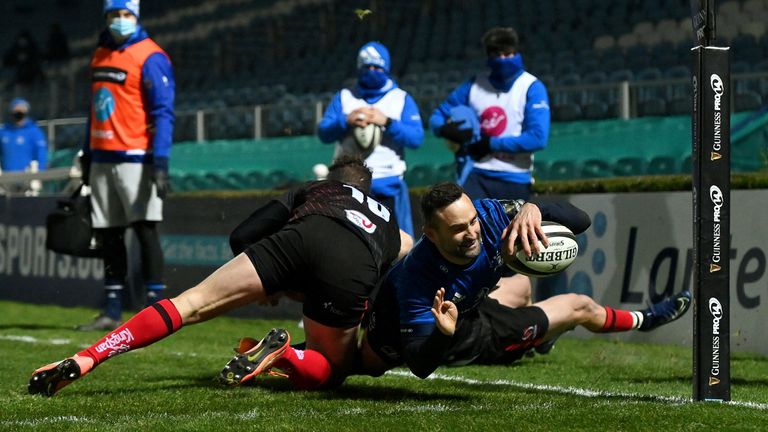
(18, 116)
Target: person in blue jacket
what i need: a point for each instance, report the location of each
(22, 140)
(23, 146)
(513, 111)
(126, 151)
(377, 99)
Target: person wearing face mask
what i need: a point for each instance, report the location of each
(513, 110)
(23, 146)
(377, 99)
(126, 151)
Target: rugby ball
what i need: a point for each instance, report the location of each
(368, 137)
(560, 253)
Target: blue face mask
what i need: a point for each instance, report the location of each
(122, 27)
(371, 78)
(504, 68)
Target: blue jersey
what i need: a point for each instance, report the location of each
(417, 278)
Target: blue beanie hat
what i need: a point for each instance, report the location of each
(16, 102)
(131, 5)
(373, 54)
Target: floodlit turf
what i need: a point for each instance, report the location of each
(593, 385)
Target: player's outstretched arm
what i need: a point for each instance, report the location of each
(564, 213)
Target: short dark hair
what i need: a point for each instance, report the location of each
(500, 40)
(437, 197)
(352, 171)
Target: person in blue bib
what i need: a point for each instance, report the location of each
(377, 99)
(512, 108)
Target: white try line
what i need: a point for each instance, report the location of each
(575, 391)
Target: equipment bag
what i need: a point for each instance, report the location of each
(69, 229)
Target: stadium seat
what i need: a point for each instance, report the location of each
(255, 180)
(678, 71)
(278, 179)
(541, 170)
(687, 165)
(595, 77)
(679, 106)
(648, 74)
(445, 173)
(663, 165)
(420, 175)
(563, 170)
(567, 112)
(594, 168)
(621, 75)
(740, 67)
(630, 166)
(595, 110)
(747, 101)
(652, 108)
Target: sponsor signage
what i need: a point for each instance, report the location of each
(711, 224)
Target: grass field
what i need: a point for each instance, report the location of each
(593, 385)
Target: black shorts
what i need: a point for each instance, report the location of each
(490, 334)
(323, 259)
(505, 334)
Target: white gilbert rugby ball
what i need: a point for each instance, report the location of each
(560, 253)
(368, 137)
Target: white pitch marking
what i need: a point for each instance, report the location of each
(575, 391)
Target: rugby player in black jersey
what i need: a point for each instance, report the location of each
(328, 239)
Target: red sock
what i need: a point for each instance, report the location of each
(617, 320)
(307, 369)
(146, 327)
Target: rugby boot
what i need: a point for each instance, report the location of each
(51, 378)
(255, 358)
(665, 311)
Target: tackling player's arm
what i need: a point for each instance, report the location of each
(564, 213)
(526, 220)
(266, 220)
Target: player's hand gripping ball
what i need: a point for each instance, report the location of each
(368, 137)
(560, 253)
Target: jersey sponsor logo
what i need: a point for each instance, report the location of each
(103, 104)
(109, 74)
(540, 105)
(361, 221)
(493, 121)
(104, 134)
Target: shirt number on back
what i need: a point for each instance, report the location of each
(374, 206)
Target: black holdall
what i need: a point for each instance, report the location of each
(69, 229)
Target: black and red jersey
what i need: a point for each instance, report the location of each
(370, 220)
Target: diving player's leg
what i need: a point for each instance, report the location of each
(513, 291)
(569, 310)
(234, 284)
(333, 306)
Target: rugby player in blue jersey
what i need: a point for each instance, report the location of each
(452, 300)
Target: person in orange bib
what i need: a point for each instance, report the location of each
(126, 151)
